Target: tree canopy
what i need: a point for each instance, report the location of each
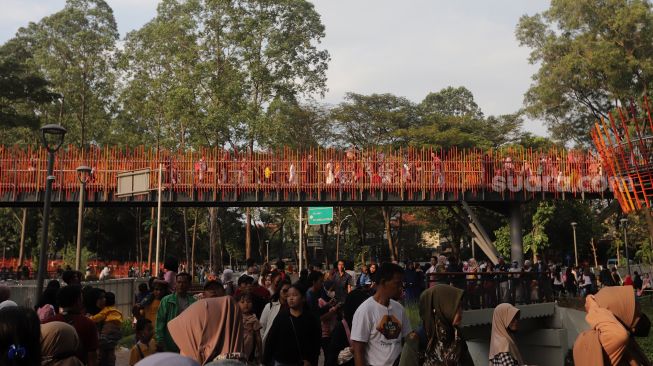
(592, 56)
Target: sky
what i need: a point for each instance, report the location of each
(404, 47)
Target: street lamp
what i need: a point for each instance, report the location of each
(83, 174)
(52, 137)
(338, 237)
(624, 221)
(573, 227)
(267, 251)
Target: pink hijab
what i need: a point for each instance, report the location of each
(502, 341)
(208, 328)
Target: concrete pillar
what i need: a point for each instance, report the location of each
(516, 240)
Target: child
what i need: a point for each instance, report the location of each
(252, 344)
(143, 292)
(145, 345)
(149, 307)
(109, 319)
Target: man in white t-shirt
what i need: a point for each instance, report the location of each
(381, 323)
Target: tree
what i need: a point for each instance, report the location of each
(592, 56)
(273, 46)
(73, 49)
(451, 118)
(452, 102)
(536, 240)
(373, 120)
(159, 63)
(297, 126)
(23, 92)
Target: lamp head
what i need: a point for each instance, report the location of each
(624, 221)
(83, 173)
(52, 136)
(573, 224)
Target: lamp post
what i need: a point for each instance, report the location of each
(52, 137)
(573, 227)
(83, 174)
(624, 221)
(267, 251)
(338, 237)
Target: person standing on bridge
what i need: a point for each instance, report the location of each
(171, 306)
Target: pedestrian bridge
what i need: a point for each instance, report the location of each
(287, 177)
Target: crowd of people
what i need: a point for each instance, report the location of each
(487, 284)
(262, 316)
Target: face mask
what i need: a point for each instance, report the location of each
(642, 327)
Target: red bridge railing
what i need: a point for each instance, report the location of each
(402, 170)
(624, 141)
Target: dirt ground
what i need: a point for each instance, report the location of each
(122, 356)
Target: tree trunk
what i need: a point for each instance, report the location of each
(388, 231)
(192, 251)
(248, 233)
(139, 240)
(280, 253)
(214, 236)
(82, 120)
(23, 225)
(149, 250)
(186, 246)
(398, 234)
(325, 236)
(596, 262)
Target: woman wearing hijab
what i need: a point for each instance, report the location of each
(337, 353)
(615, 319)
(440, 308)
(59, 343)
(209, 329)
(166, 359)
(503, 349)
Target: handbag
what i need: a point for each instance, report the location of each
(347, 354)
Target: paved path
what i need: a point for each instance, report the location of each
(122, 356)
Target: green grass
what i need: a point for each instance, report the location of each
(128, 336)
(412, 310)
(127, 342)
(647, 343)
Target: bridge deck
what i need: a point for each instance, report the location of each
(211, 177)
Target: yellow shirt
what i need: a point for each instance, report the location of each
(149, 312)
(145, 350)
(108, 314)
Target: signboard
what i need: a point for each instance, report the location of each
(133, 183)
(320, 215)
(314, 241)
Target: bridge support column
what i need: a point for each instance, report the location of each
(516, 240)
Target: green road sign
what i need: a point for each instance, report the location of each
(320, 215)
